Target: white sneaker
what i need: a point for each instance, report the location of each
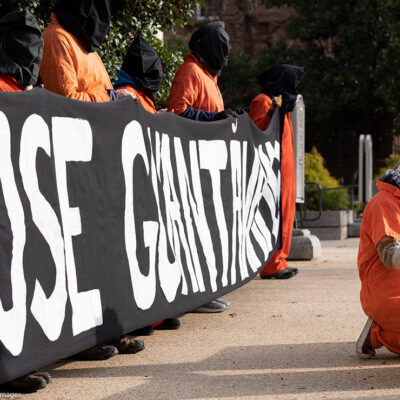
(364, 348)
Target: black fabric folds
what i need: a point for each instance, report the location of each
(21, 47)
(211, 45)
(88, 20)
(144, 66)
(282, 80)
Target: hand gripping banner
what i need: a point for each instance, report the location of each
(112, 218)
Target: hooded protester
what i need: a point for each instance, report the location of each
(379, 268)
(194, 92)
(71, 67)
(141, 73)
(21, 49)
(279, 86)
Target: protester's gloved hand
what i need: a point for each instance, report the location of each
(276, 103)
(121, 93)
(241, 111)
(225, 114)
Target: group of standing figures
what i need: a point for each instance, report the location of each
(64, 60)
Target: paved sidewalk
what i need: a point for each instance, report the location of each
(283, 340)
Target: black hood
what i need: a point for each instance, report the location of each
(282, 80)
(144, 66)
(21, 47)
(211, 45)
(88, 20)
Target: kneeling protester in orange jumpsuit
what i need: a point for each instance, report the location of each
(195, 93)
(21, 44)
(379, 268)
(141, 74)
(281, 80)
(71, 66)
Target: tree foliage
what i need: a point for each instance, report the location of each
(145, 17)
(351, 50)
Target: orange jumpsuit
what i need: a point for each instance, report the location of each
(259, 114)
(142, 97)
(193, 86)
(69, 70)
(9, 84)
(380, 285)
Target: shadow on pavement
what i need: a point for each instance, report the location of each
(253, 370)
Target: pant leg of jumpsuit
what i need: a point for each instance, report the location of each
(259, 114)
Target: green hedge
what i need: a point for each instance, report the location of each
(390, 162)
(315, 171)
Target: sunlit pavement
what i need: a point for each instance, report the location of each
(283, 340)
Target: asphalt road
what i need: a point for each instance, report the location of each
(283, 340)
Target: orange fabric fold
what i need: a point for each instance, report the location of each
(142, 97)
(9, 84)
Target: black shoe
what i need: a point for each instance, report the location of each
(127, 345)
(286, 273)
(45, 375)
(145, 331)
(24, 384)
(168, 324)
(97, 353)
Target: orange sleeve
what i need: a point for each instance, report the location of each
(185, 89)
(259, 108)
(59, 74)
(382, 219)
(144, 100)
(9, 84)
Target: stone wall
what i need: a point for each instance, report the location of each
(268, 24)
(249, 23)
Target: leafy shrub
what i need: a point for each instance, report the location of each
(315, 171)
(390, 162)
(145, 17)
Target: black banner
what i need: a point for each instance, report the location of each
(112, 218)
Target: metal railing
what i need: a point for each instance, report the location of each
(319, 189)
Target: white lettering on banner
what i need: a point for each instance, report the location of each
(181, 231)
(13, 321)
(170, 274)
(72, 141)
(188, 205)
(172, 208)
(144, 287)
(200, 218)
(49, 312)
(236, 172)
(214, 158)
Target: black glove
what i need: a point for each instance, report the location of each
(225, 114)
(241, 111)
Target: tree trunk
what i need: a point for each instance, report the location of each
(248, 8)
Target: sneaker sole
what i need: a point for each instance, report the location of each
(225, 303)
(361, 340)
